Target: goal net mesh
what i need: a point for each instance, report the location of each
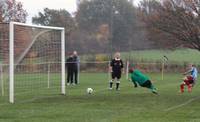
(37, 61)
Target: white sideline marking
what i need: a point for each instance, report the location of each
(181, 105)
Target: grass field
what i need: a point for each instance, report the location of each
(175, 56)
(127, 105)
(179, 55)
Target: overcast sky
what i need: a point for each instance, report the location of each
(34, 6)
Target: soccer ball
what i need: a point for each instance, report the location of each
(89, 90)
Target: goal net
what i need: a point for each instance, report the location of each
(4, 56)
(36, 61)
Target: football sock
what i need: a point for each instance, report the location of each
(190, 88)
(117, 86)
(111, 83)
(182, 88)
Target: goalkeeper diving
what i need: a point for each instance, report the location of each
(138, 78)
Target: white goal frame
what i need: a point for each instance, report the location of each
(11, 56)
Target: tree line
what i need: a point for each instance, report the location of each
(117, 25)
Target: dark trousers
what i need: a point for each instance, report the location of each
(69, 75)
(75, 74)
(147, 84)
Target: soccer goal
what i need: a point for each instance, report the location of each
(36, 60)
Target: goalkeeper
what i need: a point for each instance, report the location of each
(137, 77)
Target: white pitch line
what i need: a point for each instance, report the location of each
(181, 105)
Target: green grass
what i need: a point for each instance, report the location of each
(175, 56)
(180, 55)
(130, 104)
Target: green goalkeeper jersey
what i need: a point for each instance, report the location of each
(139, 77)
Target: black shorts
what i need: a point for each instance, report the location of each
(147, 84)
(116, 75)
(191, 81)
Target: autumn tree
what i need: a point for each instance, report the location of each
(52, 17)
(111, 21)
(58, 18)
(12, 10)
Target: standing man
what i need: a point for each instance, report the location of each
(190, 79)
(76, 66)
(116, 69)
(69, 66)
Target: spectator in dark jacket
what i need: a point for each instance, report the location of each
(76, 65)
(70, 67)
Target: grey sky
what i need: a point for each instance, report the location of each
(34, 6)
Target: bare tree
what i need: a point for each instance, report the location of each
(177, 20)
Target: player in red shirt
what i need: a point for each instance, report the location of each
(189, 80)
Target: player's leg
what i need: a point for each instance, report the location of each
(75, 76)
(72, 76)
(111, 84)
(189, 87)
(111, 81)
(118, 80)
(185, 82)
(68, 76)
(190, 83)
(153, 88)
(194, 82)
(117, 84)
(150, 86)
(182, 87)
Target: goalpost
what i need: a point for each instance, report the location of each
(34, 53)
